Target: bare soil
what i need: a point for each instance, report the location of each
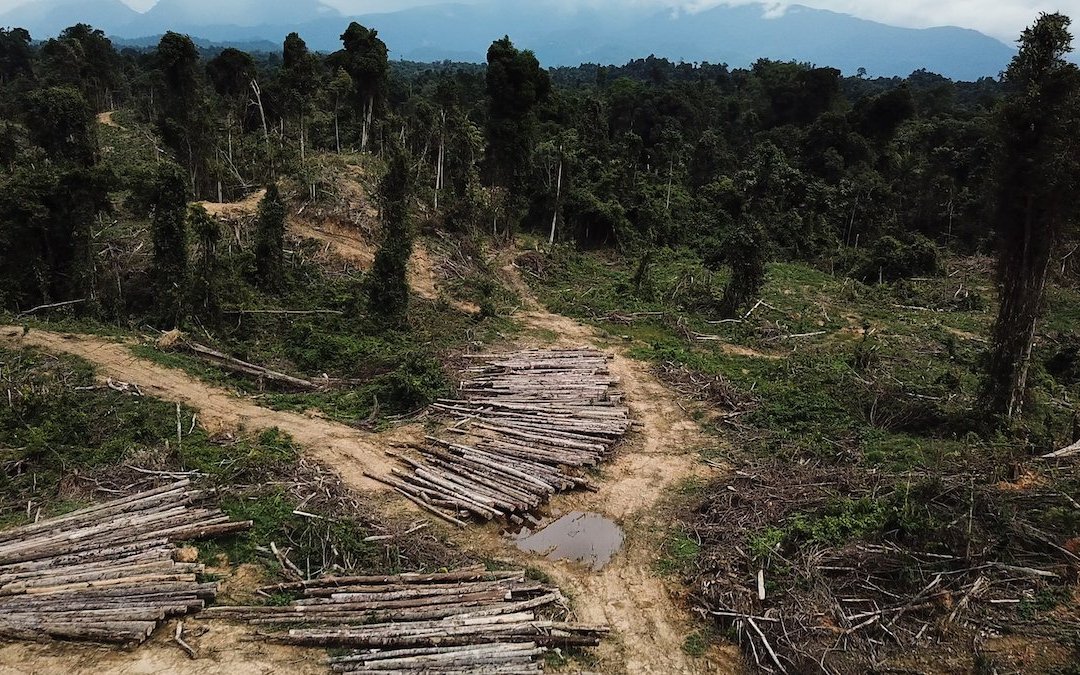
(348, 244)
(347, 241)
(223, 649)
(248, 206)
(650, 622)
(106, 118)
(351, 451)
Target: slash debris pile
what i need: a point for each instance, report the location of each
(526, 422)
(107, 573)
(826, 569)
(449, 622)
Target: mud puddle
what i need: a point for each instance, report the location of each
(586, 538)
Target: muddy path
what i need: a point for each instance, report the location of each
(650, 622)
(351, 451)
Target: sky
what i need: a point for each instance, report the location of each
(1003, 19)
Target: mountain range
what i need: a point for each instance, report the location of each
(737, 35)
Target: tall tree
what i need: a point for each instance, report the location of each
(62, 123)
(366, 62)
(169, 228)
(16, 55)
(338, 90)
(185, 115)
(515, 85)
(300, 80)
(270, 240)
(206, 285)
(83, 57)
(1037, 198)
(388, 285)
(230, 73)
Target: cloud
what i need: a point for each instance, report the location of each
(1003, 19)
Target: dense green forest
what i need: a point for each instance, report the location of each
(864, 284)
(840, 171)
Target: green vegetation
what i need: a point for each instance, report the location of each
(61, 432)
(63, 437)
(388, 286)
(679, 554)
(807, 254)
(697, 643)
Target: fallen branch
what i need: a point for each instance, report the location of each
(1069, 451)
(54, 305)
(178, 638)
(284, 312)
(238, 366)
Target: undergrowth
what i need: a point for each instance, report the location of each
(863, 453)
(67, 440)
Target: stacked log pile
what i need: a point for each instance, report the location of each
(527, 423)
(107, 573)
(448, 622)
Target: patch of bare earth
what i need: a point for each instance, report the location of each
(106, 118)
(220, 649)
(650, 622)
(346, 243)
(649, 619)
(248, 206)
(351, 451)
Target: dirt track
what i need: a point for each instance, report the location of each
(650, 625)
(345, 243)
(628, 595)
(349, 450)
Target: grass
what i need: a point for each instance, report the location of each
(315, 543)
(678, 555)
(62, 437)
(390, 371)
(881, 382)
(59, 424)
(888, 376)
(697, 643)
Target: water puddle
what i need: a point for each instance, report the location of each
(587, 538)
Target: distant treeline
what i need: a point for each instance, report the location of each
(648, 153)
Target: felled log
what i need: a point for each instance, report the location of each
(107, 573)
(465, 619)
(237, 366)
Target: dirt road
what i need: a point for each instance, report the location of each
(650, 625)
(351, 451)
(344, 242)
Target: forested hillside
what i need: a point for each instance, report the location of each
(842, 309)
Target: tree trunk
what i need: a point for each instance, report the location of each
(1022, 289)
(369, 106)
(558, 193)
(262, 112)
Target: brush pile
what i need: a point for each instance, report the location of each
(526, 423)
(107, 573)
(820, 568)
(447, 622)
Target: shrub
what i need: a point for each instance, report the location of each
(890, 259)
